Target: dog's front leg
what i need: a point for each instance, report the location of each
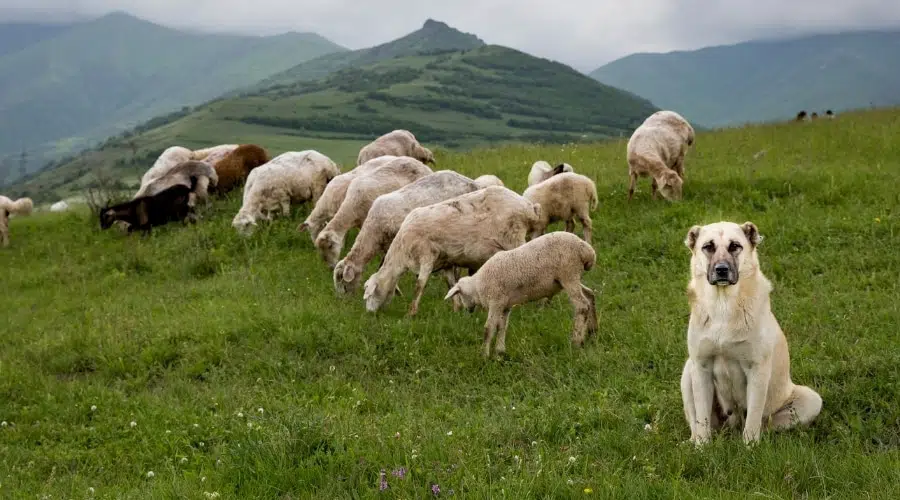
(758, 374)
(704, 391)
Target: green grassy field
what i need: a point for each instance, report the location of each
(228, 366)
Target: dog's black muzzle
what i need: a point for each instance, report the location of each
(722, 273)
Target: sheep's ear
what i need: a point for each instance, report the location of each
(453, 291)
(537, 210)
(752, 233)
(348, 274)
(692, 236)
(559, 169)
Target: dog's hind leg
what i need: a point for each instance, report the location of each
(803, 407)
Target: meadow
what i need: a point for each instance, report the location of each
(199, 364)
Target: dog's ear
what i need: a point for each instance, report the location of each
(691, 239)
(752, 233)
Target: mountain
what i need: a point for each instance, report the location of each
(766, 80)
(17, 36)
(433, 37)
(461, 99)
(96, 78)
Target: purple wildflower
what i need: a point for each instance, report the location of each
(401, 472)
(382, 481)
(435, 489)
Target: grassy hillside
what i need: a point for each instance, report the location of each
(454, 100)
(766, 80)
(99, 77)
(227, 365)
(434, 36)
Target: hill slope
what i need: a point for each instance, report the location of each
(246, 376)
(97, 77)
(434, 36)
(766, 80)
(17, 36)
(461, 99)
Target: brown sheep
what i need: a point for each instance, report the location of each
(234, 168)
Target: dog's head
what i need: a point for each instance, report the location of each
(723, 252)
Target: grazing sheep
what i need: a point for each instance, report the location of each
(542, 171)
(334, 194)
(565, 196)
(189, 173)
(22, 206)
(396, 143)
(484, 181)
(59, 206)
(292, 177)
(385, 216)
(801, 116)
(361, 193)
(234, 168)
(536, 270)
(464, 231)
(656, 149)
(213, 154)
(144, 212)
(167, 160)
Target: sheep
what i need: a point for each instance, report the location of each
(397, 143)
(484, 181)
(167, 160)
(361, 193)
(657, 149)
(386, 215)
(213, 154)
(22, 206)
(144, 212)
(565, 196)
(464, 231)
(234, 168)
(334, 194)
(185, 174)
(542, 171)
(829, 114)
(59, 206)
(801, 116)
(814, 115)
(292, 177)
(536, 270)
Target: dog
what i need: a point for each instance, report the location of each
(738, 366)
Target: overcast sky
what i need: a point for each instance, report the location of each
(581, 33)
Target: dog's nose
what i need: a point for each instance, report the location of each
(722, 270)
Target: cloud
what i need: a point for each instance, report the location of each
(581, 33)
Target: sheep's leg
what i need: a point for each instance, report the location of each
(570, 225)
(286, 206)
(653, 187)
(495, 315)
(4, 237)
(631, 187)
(424, 272)
(500, 347)
(586, 225)
(582, 311)
(452, 276)
(679, 167)
(592, 315)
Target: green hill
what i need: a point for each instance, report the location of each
(490, 94)
(766, 80)
(97, 78)
(434, 36)
(17, 36)
(245, 377)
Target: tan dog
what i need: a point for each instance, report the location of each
(738, 356)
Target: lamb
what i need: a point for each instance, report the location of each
(656, 149)
(397, 143)
(565, 197)
(22, 206)
(144, 212)
(536, 270)
(189, 173)
(213, 154)
(167, 160)
(361, 193)
(234, 168)
(386, 215)
(484, 181)
(292, 177)
(464, 231)
(334, 194)
(542, 171)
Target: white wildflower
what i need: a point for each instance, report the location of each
(133, 423)
(571, 460)
(150, 474)
(449, 433)
(648, 427)
(240, 415)
(260, 410)
(93, 407)
(3, 424)
(183, 460)
(91, 490)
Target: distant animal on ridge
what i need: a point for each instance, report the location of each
(801, 116)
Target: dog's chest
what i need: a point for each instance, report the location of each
(720, 339)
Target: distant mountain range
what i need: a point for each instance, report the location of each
(766, 80)
(65, 86)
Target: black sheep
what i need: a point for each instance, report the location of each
(145, 212)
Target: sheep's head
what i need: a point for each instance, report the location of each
(329, 244)
(346, 276)
(107, 217)
(377, 294)
(244, 223)
(425, 155)
(670, 185)
(488, 180)
(465, 290)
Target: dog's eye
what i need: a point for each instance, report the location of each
(734, 247)
(709, 247)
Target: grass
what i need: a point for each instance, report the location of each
(245, 376)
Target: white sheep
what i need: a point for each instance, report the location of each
(565, 197)
(484, 181)
(361, 193)
(397, 143)
(385, 216)
(180, 175)
(22, 206)
(167, 160)
(541, 171)
(536, 270)
(334, 194)
(464, 231)
(657, 149)
(292, 177)
(213, 154)
(59, 206)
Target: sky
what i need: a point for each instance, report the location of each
(581, 33)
